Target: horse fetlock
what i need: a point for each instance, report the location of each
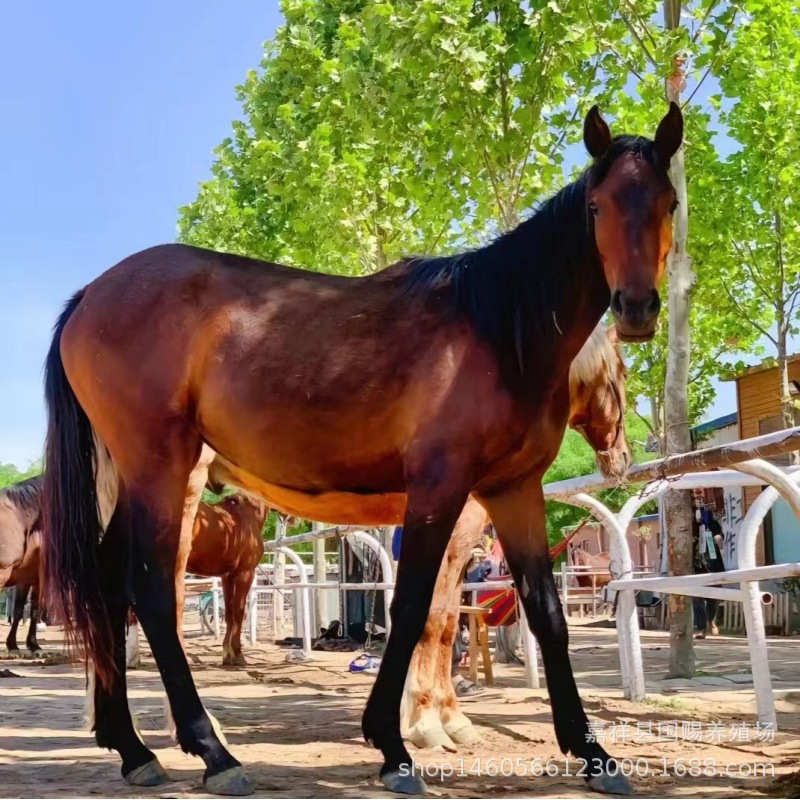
(230, 658)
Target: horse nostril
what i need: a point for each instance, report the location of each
(654, 306)
(616, 302)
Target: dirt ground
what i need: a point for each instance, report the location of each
(296, 727)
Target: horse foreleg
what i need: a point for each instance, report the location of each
(519, 519)
(20, 598)
(431, 514)
(235, 590)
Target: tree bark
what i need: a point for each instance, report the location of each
(678, 505)
(787, 406)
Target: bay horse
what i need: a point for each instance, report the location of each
(599, 561)
(597, 409)
(379, 400)
(20, 553)
(227, 544)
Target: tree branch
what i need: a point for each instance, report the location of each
(747, 318)
(711, 6)
(746, 263)
(609, 45)
(713, 60)
(629, 25)
(495, 186)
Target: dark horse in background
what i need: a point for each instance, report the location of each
(380, 400)
(20, 553)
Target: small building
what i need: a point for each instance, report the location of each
(759, 406)
(643, 540)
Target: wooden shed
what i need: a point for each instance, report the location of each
(759, 407)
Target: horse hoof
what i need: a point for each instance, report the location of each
(149, 774)
(610, 784)
(234, 661)
(463, 734)
(15, 652)
(404, 782)
(231, 783)
(431, 737)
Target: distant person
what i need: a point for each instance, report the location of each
(707, 541)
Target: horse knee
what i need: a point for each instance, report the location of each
(549, 626)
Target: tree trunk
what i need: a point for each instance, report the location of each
(678, 505)
(787, 406)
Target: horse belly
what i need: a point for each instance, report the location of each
(335, 507)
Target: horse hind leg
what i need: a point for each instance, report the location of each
(106, 710)
(156, 517)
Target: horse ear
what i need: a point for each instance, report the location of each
(596, 135)
(613, 335)
(669, 133)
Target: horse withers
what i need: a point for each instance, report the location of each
(381, 400)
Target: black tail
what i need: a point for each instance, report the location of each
(72, 524)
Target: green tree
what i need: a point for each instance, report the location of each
(10, 474)
(324, 172)
(750, 231)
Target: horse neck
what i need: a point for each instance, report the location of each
(554, 290)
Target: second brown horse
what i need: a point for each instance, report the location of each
(227, 543)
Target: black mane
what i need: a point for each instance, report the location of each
(521, 288)
(25, 495)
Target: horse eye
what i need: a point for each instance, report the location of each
(674, 207)
(593, 208)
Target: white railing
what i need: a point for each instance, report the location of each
(674, 472)
(746, 469)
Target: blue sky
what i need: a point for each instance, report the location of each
(110, 115)
(111, 112)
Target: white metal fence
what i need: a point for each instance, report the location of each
(739, 586)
